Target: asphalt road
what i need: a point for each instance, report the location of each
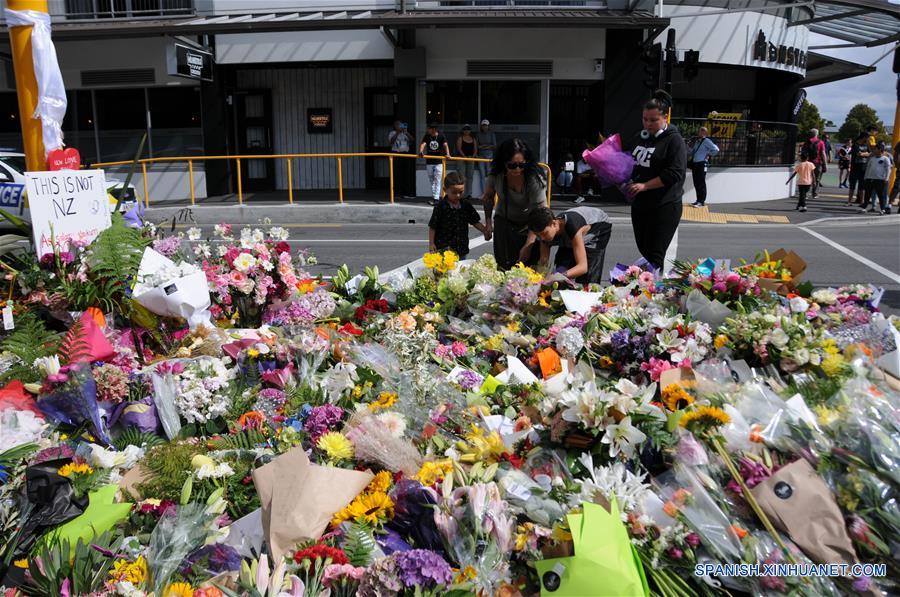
(838, 250)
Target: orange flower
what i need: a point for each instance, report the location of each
(306, 285)
(680, 496)
(671, 509)
(253, 419)
(756, 433)
(741, 533)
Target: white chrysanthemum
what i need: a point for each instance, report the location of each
(278, 233)
(394, 422)
(244, 262)
(194, 233)
(217, 471)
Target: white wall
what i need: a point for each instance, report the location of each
(729, 38)
(738, 185)
(573, 51)
(302, 46)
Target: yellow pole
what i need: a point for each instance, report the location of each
(191, 176)
(894, 140)
(340, 181)
(391, 170)
(240, 188)
(290, 182)
(144, 176)
(26, 86)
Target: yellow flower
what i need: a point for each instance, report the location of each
(833, 364)
(431, 472)
(705, 417)
(178, 589)
(533, 276)
(306, 286)
(74, 469)
(23, 563)
(481, 447)
(133, 572)
(605, 362)
(373, 507)
(431, 260)
(382, 482)
(826, 415)
(466, 574)
(252, 352)
(385, 400)
(720, 341)
(494, 343)
(830, 346)
(336, 446)
(357, 391)
(450, 261)
(675, 398)
(542, 298)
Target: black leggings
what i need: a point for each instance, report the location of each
(654, 226)
(698, 173)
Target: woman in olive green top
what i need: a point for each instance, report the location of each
(520, 186)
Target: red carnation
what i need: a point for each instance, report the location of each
(321, 552)
(282, 247)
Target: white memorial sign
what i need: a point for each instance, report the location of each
(68, 206)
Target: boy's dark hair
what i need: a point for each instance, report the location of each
(879, 146)
(804, 155)
(661, 101)
(453, 179)
(540, 218)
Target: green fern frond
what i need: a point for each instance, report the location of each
(133, 437)
(116, 253)
(29, 341)
(246, 439)
(359, 544)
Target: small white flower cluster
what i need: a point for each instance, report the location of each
(616, 481)
(200, 386)
(168, 273)
(214, 471)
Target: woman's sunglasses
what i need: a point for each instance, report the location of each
(515, 165)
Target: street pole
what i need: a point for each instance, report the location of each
(895, 138)
(670, 60)
(26, 85)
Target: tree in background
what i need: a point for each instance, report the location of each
(858, 118)
(808, 118)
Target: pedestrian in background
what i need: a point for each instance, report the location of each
(805, 172)
(815, 149)
(404, 168)
(487, 144)
(660, 165)
(434, 144)
(451, 218)
(828, 148)
(520, 186)
(859, 155)
(467, 147)
(843, 155)
(703, 149)
(878, 171)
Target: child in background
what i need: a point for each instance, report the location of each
(805, 171)
(451, 217)
(878, 171)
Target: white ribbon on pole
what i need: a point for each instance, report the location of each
(51, 106)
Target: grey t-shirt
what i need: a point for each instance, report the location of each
(515, 206)
(577, 218)
(485, 140)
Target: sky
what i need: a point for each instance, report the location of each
(876, 89)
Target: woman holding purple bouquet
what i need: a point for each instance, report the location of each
(657, 181)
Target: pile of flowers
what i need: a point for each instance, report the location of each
(448, 431)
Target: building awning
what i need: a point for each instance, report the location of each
(349, 19)
(858, 22)
(826, 69)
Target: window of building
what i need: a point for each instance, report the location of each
(175, 124)
(452, 104)
(121, 122)
(10, 127)
(520, 118)
(78, 125)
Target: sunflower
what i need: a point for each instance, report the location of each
(336, 446)
(385, 400)
(178, 589)
(381, 482)
(704, 418)
(374, 507)
(74, 469)
(675, 397)
(720, 341)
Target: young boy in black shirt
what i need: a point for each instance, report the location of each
(451, 217)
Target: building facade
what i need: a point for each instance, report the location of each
(555, 73)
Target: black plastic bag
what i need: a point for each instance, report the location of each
(49, 501)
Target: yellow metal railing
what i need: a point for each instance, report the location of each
(289, 157)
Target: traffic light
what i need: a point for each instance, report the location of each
(691, 64)
(652, 57)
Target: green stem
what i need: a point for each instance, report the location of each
(754, 505)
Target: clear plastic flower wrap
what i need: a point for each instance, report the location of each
(524, 494)
(165, 388)
(684, 489)
(179, 532)
(760, 548)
